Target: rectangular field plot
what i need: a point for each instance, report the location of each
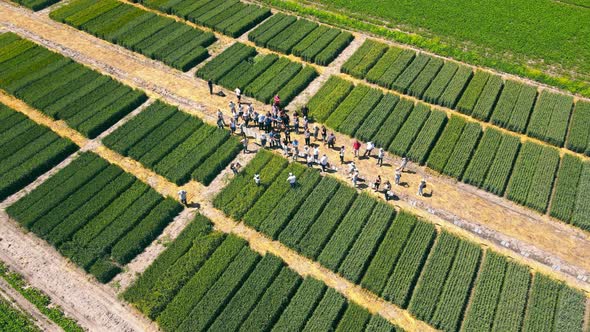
(442, 279)
(27, 150)
(207, 280)
(175, 144)
(63, 89)
(308, 40)
(261, 77)
(95, 214)
(232, 18)
(157, 37)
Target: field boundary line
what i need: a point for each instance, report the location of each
(185, 98)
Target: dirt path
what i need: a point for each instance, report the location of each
(11, 295)
(539, 241)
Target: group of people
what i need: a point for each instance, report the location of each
(276, 127)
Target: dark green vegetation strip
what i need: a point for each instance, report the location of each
(258, 76)
(444, 280)
(174, 144)
(207, 280)
(36, 4)
(39, 300)
(27, 150)
(13, 320)
(157, 37)
(95, 214)
(63, 89)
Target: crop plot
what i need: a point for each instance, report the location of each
(232, 18)
(175, 144)
(157, 37)
(207, 280)
(95, 214)
(63, 89)
(397, 256)
(258, 76)
(308, 40)
(482, 95)
(27, 150)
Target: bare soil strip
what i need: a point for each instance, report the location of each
(539, 241)
(11, 295)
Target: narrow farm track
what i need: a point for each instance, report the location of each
(40, 320)
(545, 244)
(198, 194)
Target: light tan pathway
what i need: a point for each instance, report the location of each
(198, 194)
(545, 244)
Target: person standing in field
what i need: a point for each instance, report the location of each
(305, 152)
(295, 149)
(292, 179)
(324, 134)
(355, 178)
(296, 124)
(356, 146)
(342, 155)
(387, 190)
(257, 179)
(307, 136)
(331, 140)
(316, 154)
(244, 142)
(232, 126)
(310, 161)
(377, 183)
(304, 110)
(370, 147)
(316, 131)
(351, 168)
(238, 94)
(324, 162)
(403, 165)
(263, 140)
(380, 156)
(210, 84)
(220, 122)
(398, 177)
(182, 197)
(421, 187)
(232, 107)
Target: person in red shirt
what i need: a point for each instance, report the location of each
(356, 146)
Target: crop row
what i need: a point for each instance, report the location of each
(175, 144)
(95, 214)
(483, 95)
(258, 76)
(303, 38)
(36, 4)
(232, 18)
(27, 150)
(207, 280)
(14, 320)
(63, 89)
(440, 278)
(154, 36)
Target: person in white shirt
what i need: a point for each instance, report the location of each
(257, 179)
(370, 147)
(239, 94)
(421, 187)
(182, 197)
(292, 179)
(403, 165)
(324, 162)
(380, 156)
(316, 154)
